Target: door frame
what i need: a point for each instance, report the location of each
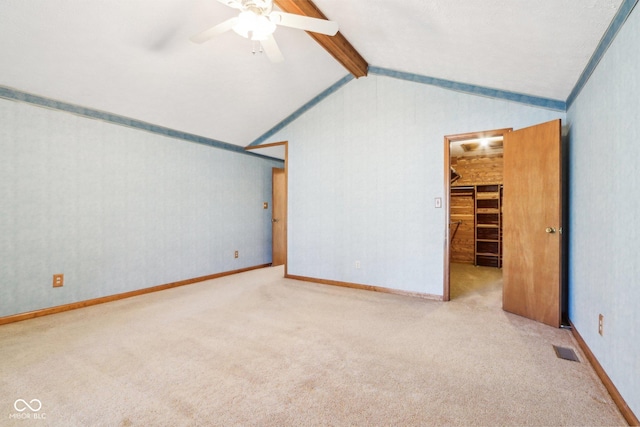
(286, 192)
(448, 139)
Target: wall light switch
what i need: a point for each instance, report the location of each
(438, 202)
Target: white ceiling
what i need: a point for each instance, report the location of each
(534, 47)
(134, 57)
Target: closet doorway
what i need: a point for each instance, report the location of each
(473, 258)
(279, 199)
(528, 244)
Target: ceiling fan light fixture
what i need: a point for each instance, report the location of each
(253, 26)
(263, 29)
(246, 22)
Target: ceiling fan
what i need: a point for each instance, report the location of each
(257, 21)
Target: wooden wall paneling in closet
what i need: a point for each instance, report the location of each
(462, 226)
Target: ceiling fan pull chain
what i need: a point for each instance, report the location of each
(255, 50)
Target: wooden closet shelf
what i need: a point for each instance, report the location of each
(488, 234)
(485, 196)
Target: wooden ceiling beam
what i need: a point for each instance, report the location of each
(338, 46)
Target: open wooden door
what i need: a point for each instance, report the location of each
(279, 218)
(532, 223)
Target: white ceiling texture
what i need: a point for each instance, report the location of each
(133, 57)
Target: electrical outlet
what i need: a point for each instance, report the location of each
(235, 255)
(600, 323)
(357, 264)
(58, 280)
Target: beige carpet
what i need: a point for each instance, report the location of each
(256, 349)
(477, 285)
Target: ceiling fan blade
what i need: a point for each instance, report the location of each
(232, 3)
(207, 35)
(306, 23)
(271, 49)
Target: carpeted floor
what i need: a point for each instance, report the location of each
(257, 349)
(479, 285)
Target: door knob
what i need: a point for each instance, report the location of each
(550, 230)
(274, 220)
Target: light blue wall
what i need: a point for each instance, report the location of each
(604, 239)
(365, 165)
(117, 209)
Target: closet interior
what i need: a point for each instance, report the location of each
(476, 202)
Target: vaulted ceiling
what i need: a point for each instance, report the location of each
(134, 58)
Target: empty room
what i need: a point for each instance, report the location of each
(294, 212)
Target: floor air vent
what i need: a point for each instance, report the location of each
(566, 353)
